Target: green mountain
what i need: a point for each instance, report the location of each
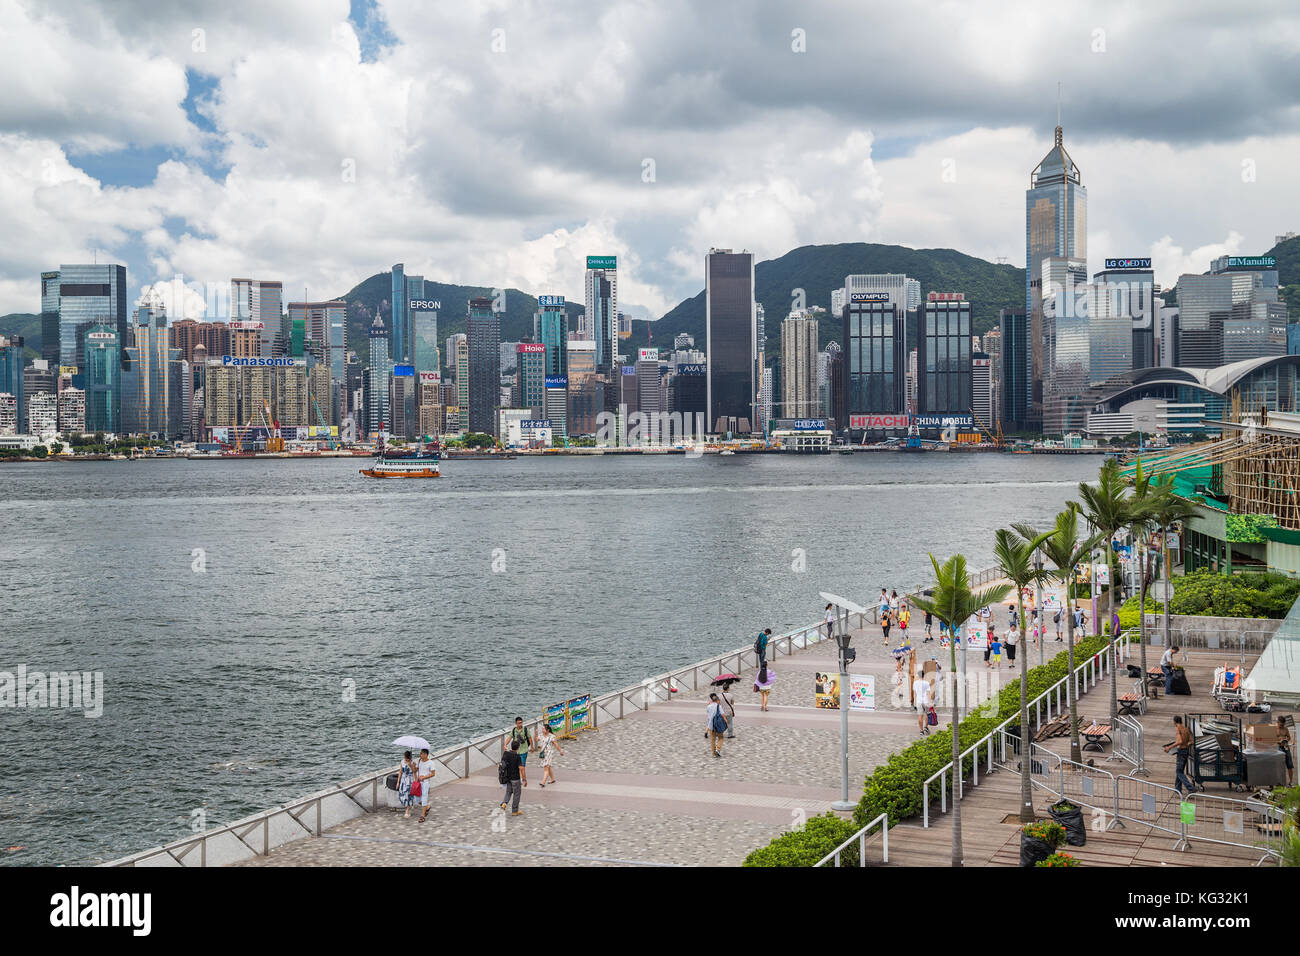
(374, 294)
(1288, 274)
(817, 270)
(26, 324)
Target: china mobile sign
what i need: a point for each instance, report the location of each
(878, 422)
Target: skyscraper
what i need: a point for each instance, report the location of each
(81, 296)
(799, 354)
(731, 348)
(256, 305)
(424, 330)
(1017, 368)
(102, 375)
(483, 334)
(601, 286)
(148, 377)
(377, 375)
(552, 331)
(11, 375)
(1056, 224)
(943, 355)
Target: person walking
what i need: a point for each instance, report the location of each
(884, 624)
(929, 623)
(882, 605)
(830, 621)
(904, 619)
(1182, 745)
(893, 602)
(760, 645)
(1013, 638)
(728, 709)
(763, 685)
(548, 745)
(988, 644)
(995, 653)
(405, 778)
(1114, 624)
(1056, 619)
(715, 723)
(921, 701)
(424, 773)
(519, 733)
(1167, 667)
(509, 773)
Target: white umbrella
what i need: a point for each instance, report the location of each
(412, 742)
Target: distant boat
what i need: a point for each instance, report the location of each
(726, 451)
(421, 463)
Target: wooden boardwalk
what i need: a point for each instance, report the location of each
(987, 840)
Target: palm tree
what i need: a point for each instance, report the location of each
(1015, 556)
(1106, 505)
(1167, 510)
(953, 603)
(1139, 526)
(1064, 549)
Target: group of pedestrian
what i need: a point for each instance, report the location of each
(720, 714)
(414, 782)
(512, 772)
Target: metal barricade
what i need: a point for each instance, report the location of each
(1046, 770)
(1253, 824)
(1087, 786)
(1149, 804)
(1128, 742)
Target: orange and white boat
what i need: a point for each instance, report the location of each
(422, 463)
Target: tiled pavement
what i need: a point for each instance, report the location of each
(645, 789)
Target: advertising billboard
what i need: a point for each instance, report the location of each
(694, 368)
(425, 305)
(550, 301)
(1128, 263)
(809, 424)
(944, 421)
(647, 355)
(629, 369)
(241, 362)
(404, 371)
(946, 297)
(530, 348)
(899, 420)
(430, 378)
(862, 692)
(531, 424)
(602, 262)
(557, 381)
(869, 297)
(247, 326)
(1252, 262)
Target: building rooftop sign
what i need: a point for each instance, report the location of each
(1128, 263)
(602, 262)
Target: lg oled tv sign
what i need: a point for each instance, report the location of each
(878, 422)
(1128, 263)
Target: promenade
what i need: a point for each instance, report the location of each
(645, 790)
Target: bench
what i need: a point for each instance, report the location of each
(1096, 733)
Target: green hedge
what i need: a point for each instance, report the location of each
(1209, 594)
(895, 786)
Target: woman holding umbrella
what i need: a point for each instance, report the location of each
(728, 703)
(404, 782)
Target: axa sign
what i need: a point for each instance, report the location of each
(878, 422)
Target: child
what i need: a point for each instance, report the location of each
(904, 618)
(995, 653)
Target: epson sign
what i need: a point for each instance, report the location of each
(425, 305)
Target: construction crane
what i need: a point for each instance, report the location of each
(274, 442)
(997, 439)
(321, 419)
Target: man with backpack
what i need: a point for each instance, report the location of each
(760, 646)
(716, 723)
(1056, 619)
(508, 776)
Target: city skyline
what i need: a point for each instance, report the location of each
(211, 125)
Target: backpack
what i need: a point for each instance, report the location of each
(758, 644)
(1056, 618)
(719, 723)
(503, 776)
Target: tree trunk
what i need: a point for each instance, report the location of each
(957, 852)
(1071, 686)
(1026, 784)
(1164, 560)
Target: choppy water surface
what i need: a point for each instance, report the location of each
(451, 605)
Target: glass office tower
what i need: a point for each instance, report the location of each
(102, 374)
(731, 337)
(483, 335)
(82, 296)
(601, 287)
(875, 343)
(552, 331)
(943, 355)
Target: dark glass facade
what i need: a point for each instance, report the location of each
(943, 357)
(484, 339)
(730, 349)
(875, 363)
(1017, 382)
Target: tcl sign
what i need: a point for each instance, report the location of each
(878, 421)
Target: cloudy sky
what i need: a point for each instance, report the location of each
(499, 142)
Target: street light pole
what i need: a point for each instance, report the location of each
(846, 655)
(1038, 602)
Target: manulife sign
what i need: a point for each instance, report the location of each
(1250, 262)
(602, 262)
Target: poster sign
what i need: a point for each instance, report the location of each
(862, 692)
(580, 713)
(827, 691)
(900, 420)
(555, 716)
(977, 634)
(1187, 813)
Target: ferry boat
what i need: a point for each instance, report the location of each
(421, 463)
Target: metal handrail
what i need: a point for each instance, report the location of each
(1080, 671)
(861, 837)
(457, 758)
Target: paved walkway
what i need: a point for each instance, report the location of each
(645, 790)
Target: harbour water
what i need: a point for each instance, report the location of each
(265, 628)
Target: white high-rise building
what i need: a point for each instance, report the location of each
(601, 315)
(799, 356)
(43, 414)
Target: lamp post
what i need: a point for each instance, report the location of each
(846, 655)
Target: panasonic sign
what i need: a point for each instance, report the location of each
(242, 362)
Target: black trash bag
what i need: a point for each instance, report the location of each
(1134, 670)
(1070, 817)
(391, 781)
(1033, 849)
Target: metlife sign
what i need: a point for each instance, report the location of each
(557, 381)
(550, 301)
(425, 305)
(1128, 264)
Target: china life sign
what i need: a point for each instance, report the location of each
(602, 262)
